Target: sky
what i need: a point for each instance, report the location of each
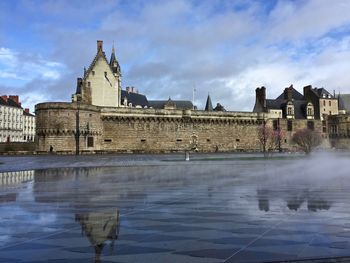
(168, 48)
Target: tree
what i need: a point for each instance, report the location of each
(269, 139)
(307, 139)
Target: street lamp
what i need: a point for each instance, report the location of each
(77, 129)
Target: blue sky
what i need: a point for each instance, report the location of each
(165, 48)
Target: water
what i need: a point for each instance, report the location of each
(160, 208)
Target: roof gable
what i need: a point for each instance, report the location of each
(296, 95)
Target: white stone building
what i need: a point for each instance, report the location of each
(16, 125)
(28, 126)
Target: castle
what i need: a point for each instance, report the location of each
(104, 118)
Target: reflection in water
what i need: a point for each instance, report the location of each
(12, 178)
(8, 198)
(315, 199)
(100, 227)
(263, 199)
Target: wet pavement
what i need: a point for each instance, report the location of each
(158, 208)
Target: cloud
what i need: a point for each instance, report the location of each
(166, 48)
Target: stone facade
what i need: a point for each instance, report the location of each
(61, 125)
(143, 130)
(93, 124)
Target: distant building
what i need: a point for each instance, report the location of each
(28, 126)
(344, 103)
(209, 106)
(16, 124)
(324, 102)
(131, 98)
(171, 104)
(101, 83)
(289, 105)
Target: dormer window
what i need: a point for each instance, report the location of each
(309, 111)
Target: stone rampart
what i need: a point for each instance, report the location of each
(111, 129)
(59, 123)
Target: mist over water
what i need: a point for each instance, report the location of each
(240, 195)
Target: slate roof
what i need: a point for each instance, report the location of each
(208, 105)
(10, 103)
(180, 104)
(344, 102)
(274, 104)
(113, 63)
(320, 92)
(28, 114)
(135, 98)
(296, 95)
(280, 104)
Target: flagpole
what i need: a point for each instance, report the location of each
(193, 90)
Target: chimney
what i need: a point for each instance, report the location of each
(260, 99)
(99, 45)
(288, 93)
(128, 89)
(4, 97)
(26, 110)
(14, 98)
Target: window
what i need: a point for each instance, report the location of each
(237, 140)
(310, 125)
(93, 73)
(143, 140)
(90, 142)
(330, 112)
(330, 103)
(275, 125)
(179, 140)
(289, 111)
(309, 111)
(290, 125)
(108, 140)
(324, 103)
(89, 84)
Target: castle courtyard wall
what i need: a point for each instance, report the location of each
(151, 130)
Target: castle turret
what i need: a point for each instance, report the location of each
(208, 105)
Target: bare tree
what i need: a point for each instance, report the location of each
(307, 139)
(269, 139)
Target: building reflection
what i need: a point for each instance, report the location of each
(13, 178)
(263, 199)
(100, 228)
(294, 199)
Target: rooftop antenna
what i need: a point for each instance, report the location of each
(193, 91)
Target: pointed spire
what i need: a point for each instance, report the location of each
(208, 105)
(113, 63)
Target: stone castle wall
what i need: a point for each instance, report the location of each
(57, 126)
(150, 130)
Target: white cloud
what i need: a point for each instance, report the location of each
(24, 67)
(167, 47)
